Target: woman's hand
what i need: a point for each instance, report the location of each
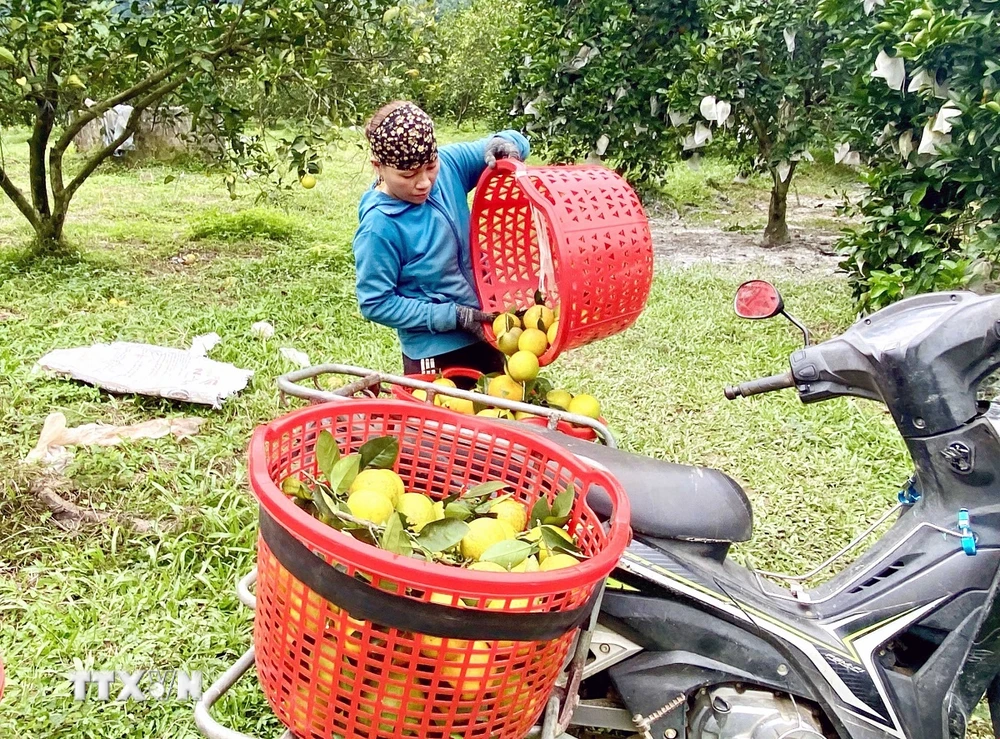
(472, 320)
(500, 148)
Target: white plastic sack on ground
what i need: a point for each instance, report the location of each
(146, 369)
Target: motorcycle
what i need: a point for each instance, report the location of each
(904, 642)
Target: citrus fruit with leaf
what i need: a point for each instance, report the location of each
(508, 340)
(534, 341)
(538, 316)
(370, 505)
(308, 181)
(505, 322)
(558, 398)
(535, 534)
(483, 533)
(585, 405)
(417, 508)
(386, 482)
(502, 386)
(530, 564)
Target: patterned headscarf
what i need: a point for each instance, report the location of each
(404, 139)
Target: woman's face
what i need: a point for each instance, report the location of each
(411, 185)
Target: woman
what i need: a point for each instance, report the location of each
(411, 249)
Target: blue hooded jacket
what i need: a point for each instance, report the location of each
(414, 263)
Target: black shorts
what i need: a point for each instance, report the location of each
(479, 356)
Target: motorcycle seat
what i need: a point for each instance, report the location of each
(669, 501)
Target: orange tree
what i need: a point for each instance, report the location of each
(923, 105)
(212, 57)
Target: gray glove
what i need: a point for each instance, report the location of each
(472, 320)
(500, 148)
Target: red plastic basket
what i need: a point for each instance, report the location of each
(327, 673)
(406, 393)
(601, 266)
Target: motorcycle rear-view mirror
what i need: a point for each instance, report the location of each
(758, 299)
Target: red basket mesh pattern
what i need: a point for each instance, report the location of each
(599, 239)
(327, 674)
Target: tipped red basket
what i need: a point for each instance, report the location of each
(577, 233)
(352, 641)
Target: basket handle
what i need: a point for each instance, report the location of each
(541, 215)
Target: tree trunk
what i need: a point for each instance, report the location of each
(776, 232)
(49, 233)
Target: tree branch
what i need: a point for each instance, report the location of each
(17, 197)
(133, 123)
(98, 109)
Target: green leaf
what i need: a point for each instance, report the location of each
(344, 472)
(444, 534)
(394, 538)
(555, 542)
(539, 512)
(7, 56)
(563, 503)
(507, 553)
(484, 489)
(458, 509)
(484, 507)
(327, 454)
(379, 453)
(326, 506)
(168, 179)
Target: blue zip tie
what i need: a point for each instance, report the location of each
(910, 494)
(968, 538)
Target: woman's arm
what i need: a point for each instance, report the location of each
(469, 158)
(378, 269)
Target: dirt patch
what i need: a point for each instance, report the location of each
(811, 251)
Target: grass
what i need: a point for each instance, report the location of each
(181, 259)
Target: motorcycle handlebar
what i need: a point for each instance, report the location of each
(763, 385)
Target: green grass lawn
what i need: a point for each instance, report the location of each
(181, 259)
